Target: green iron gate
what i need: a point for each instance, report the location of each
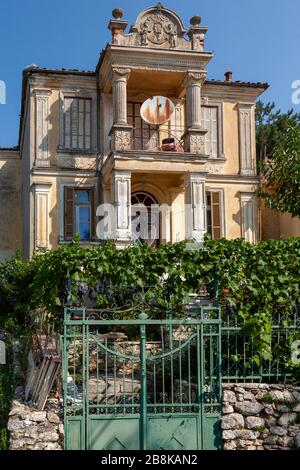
(141, 383)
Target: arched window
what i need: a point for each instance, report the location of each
(145, 218)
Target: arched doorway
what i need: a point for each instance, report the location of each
(145, 218)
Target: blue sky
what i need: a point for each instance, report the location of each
(258, 40)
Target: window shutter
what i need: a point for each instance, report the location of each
(210, 123)
(69, 206)
(93, 213)
(216, 214)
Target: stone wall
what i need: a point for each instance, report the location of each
(260, 417)
(36, 430)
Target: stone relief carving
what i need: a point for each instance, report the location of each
(81, 163)
(197, 144)
(122, 140)
(121, 72)
(214, 168)
(158, 29)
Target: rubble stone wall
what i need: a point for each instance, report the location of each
(35, 430)
(260, 417)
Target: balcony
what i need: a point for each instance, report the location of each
(158, 139)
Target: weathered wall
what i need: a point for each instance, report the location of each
(10, 207)
(276, 224)
(289, 226)
(261, 417)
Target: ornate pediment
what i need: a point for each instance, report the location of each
(158, 27)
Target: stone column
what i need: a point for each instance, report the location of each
(194, 137)
(121, 131)
(195, 207)
(121, 198)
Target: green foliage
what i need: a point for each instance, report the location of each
(271, 126)
(278, 151)
(16, 275)
(267, 398)
(259, 279)
(260, 428)
(281, 190)
(6, 395)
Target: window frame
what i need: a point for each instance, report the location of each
(222, 210)
(76, 212)
(85, 187)
(78, 136)
(84, 94)
(206, 103)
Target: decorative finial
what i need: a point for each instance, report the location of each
(118, 13)
(195, 20)
(159, 6)
(228, 76)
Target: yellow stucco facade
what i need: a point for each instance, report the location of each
(84, 143)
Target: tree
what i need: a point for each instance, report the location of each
(278, 150)
(270, 126)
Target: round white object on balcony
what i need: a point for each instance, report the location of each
(157, 110)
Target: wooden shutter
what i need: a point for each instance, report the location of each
(75, 124)
(93, 213)
(210, 122)
(69, 209)
(216, 219)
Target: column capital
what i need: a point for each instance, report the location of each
(41, 92)
(194, 78)
(121, 72)
(196, 177)
(121, 174)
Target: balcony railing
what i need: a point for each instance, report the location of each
(158, 140)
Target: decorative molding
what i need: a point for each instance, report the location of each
(195, 206)
(121, 197)
(247, 139)
(158, 27)
(192, 78)
(149, 59)
(212, 168)
(71, 172)
(41, 215)
(121, 138)
(249, 216)
(121, 72)
(42, 127)
(194, 141)
(87, 162)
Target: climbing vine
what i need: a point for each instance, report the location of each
(255, 280)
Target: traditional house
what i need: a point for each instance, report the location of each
(87, 145)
